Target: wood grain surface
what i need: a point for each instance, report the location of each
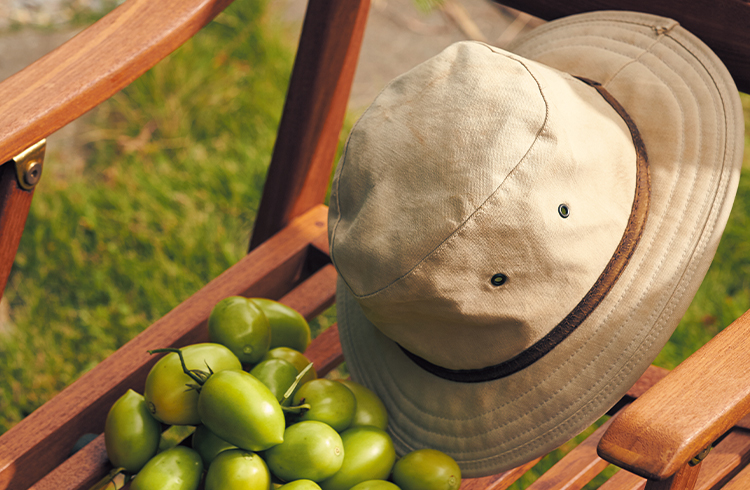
(313, 113)
(14, 208)
(686, 411)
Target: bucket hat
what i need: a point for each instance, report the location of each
(518, 233)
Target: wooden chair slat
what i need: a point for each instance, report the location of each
(741, 480)
(315, 294)
(43, 440)
(576, 468)
(721, 24)
(684, 479)
(313, 113)
(725, 460)
(79, 472)
(325, 353)
(501, 481)
(624, 480)
(93, 66)
(690, 408)
(14, 208)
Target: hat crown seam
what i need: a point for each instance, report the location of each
(482, 207)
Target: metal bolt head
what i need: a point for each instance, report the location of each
(33, 173)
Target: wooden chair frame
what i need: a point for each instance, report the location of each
(702, 402)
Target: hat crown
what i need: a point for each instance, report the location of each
(457, 173)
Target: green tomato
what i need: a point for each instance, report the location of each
(368, 455)
(427, 469)
(131, 434)
(238, 408)
(300, 485)
(330, 402)
(178, 468)
(375, 485)
(298, 359)
(288, 327)
(208, 444)
(167, 392)
(237, 469)
(370, 409)
(311, 450)
(277, 374)
(241, 325)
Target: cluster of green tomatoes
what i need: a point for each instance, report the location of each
(261, 417)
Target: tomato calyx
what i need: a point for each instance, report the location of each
(197, 375)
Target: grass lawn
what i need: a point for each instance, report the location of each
(166, 202)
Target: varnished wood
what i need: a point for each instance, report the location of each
(684, 479)
(624, 480)
(740, 482)
(687, 410)
(313, 113)
(93, 66)
(576, 468)
(14, 208)
(725, 460)
(500, 481)
(327, 353)
(42, 440)
(724, 25)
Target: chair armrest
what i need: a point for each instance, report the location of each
(93, 66)
(688, 410)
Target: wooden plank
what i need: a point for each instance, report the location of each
(723, 463)
(624, 480)
(14, 208)
(690, 408)
(721, 24)
(315, 295)
(725, 460)
(313, 113)
(576, 468)
(93, 66)
(741, 481)
(684, 479)
(325, 353)
(43, 440)
(501, 481)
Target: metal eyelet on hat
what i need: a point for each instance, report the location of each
(564, 210)
(498, 279)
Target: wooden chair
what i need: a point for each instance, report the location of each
(660, 439)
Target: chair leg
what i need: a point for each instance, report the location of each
(684, 479)
(15, 201)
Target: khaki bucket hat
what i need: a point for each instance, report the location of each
(517, 233)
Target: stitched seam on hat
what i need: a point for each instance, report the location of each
(477, 212)
(340, 171)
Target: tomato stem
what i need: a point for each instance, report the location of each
(298, 409)
(197, 375)
(290, 391)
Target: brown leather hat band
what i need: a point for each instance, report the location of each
(594, 296)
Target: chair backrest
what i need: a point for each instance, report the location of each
(288, 257)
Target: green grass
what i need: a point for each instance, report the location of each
(166, 202)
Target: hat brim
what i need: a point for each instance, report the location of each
(687, 110)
